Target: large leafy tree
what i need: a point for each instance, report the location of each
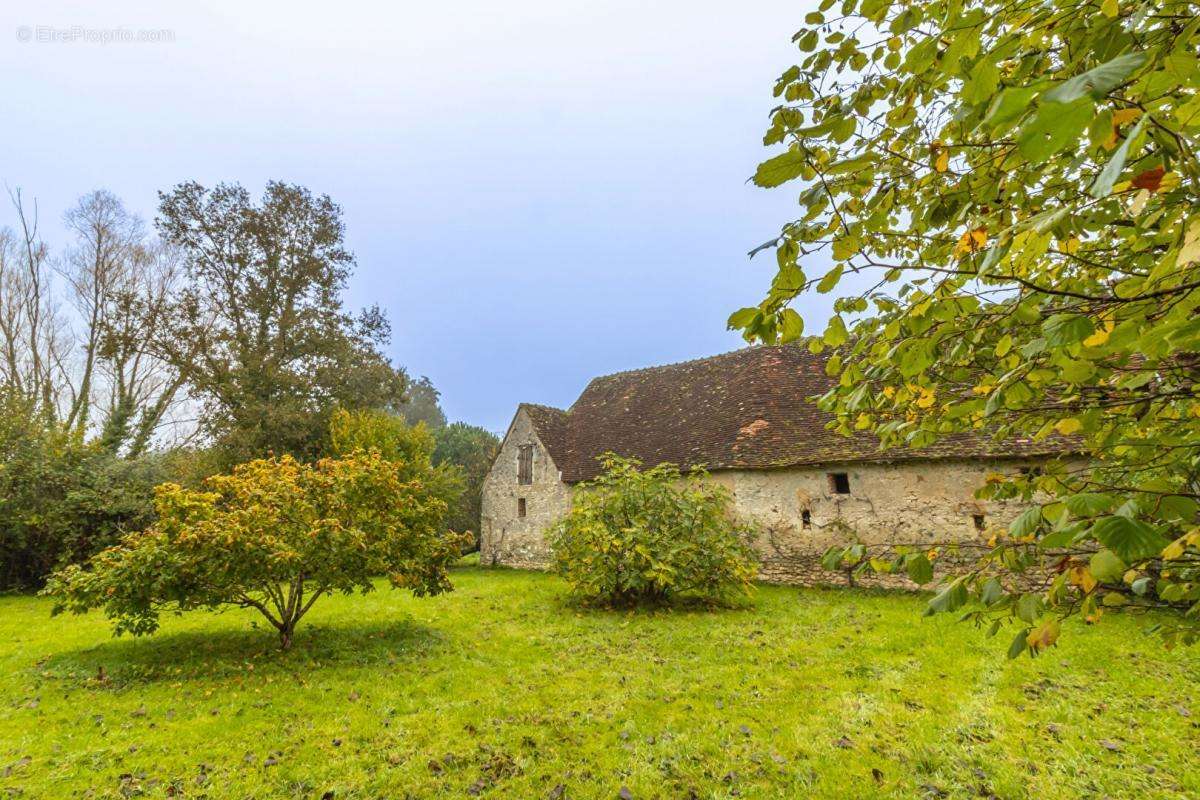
(258, 329)
(274, 535)
(421, 404)
(1009, 196)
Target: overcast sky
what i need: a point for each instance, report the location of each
(537, 191)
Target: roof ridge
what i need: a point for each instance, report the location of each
(542, 405)
(698, 360)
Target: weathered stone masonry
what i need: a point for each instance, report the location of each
(745, 416)
(507, 538)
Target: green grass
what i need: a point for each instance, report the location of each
(500, 689)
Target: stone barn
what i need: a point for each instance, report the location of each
(747, 417)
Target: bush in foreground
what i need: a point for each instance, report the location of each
(652, 536)
(274, 535)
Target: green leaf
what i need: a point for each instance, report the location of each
(1102, 186)
(830, 280)
(919, 569)
(791, 325)
(1067, 329)
(991, 592)
(780, 169)
(1026, 523)
(1029, 606)
(979, 88)
(742, 318)
(845, 247)
(1019, 643)
(1009, 104)
(1106, 566)
(1096, 81)
(836, 334)
(850, 165)
(1053, 127)
(1057, 539)
(1089, 504)
(1131, 539)
(951, 598)
(832, 559)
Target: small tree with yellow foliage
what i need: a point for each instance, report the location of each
(274, 535)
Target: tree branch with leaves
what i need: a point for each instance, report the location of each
(1009, 193)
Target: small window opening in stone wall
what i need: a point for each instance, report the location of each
(980, 522)
(806, 519)
(525, 464)
(839, 483)
(520, 506)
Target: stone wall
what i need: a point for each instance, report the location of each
(913, 502)
(888, 504)
(505, 537)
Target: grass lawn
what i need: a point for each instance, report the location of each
(500, 689)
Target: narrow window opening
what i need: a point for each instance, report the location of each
(806, 519)
(525, 464)
(839, 483)
(520, 506)
(980, 522)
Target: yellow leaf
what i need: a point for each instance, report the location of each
(1068, 426)
(1191, 245)
(971, 242)
(1043, 635)
(926, 399)
(1124, 115)
(1083, 578)
(1110, 8)
(1098, 338)
(1174, 550)
(943, 161)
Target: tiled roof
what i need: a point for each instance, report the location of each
(551, 426)
(749, 409)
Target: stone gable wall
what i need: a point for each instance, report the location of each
(505, 537)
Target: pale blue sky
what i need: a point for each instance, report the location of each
(536, 192)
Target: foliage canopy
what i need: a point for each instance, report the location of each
(1010, 197)
(257, 328)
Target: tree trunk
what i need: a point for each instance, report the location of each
(285, 635)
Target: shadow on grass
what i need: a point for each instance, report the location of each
(205, 654)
